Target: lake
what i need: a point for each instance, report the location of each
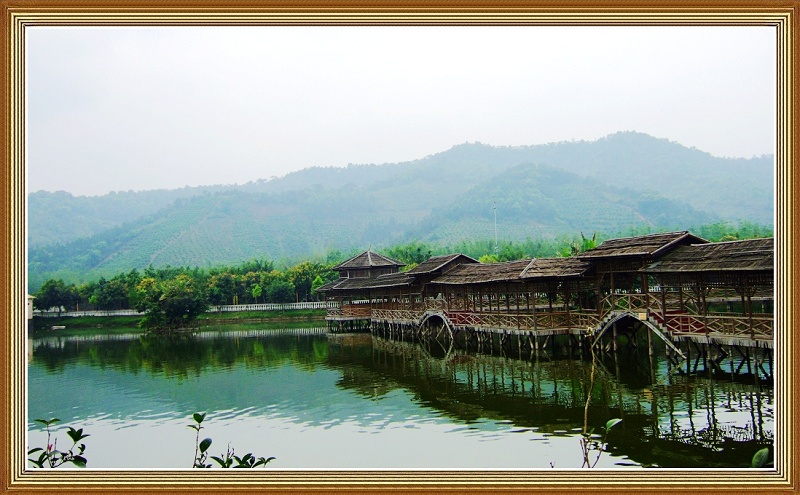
(316, 400)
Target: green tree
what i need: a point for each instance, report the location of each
(221, 288)
(55, 294)
(256, 291)
(280, 291)
(172, 303)
(488, 258)
(302, 277)
(574, 248)
(413, 252)
(317, 283)
(110, 294)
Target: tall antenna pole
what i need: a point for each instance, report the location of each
(496, 249)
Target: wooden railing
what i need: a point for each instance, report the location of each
(629, 302)
(350, 311)
(435, 304)
(397, 315)
(538, 321)
(675, 321)
(755, 327)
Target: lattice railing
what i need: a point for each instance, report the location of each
(354, 311)
(628, 302)
(404, 315)
(756, 327)
(682, 323)
(538, 321)
(435, 304)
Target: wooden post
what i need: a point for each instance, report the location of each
(612, 296)
(750, 315)
(566, 305)
(614, 336)
(688, 359)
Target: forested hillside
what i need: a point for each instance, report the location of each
(61, 217)
(627, 181)
(537, 200)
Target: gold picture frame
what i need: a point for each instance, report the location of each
(18, 15)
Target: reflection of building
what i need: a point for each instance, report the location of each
(672, 422)
(676, 284)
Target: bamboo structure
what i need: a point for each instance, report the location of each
(677, 287)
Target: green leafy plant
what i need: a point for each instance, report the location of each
(52, 457)
(761, 459)
(227, 460)
(590, 442)
(234, 461)
(200, 447)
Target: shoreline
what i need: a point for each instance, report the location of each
(87, 325)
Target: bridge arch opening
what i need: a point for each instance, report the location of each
(434, 319)
(434, 326)
(628, 324)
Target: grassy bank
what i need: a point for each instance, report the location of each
(85, 325)
(85, 322)
(263, 316)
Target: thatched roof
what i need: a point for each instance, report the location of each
(356, 284)
(643, 245)
(480, 273)
(435, 263)
(734, 256)
(555, 268)
(367, 259)
(330, 285)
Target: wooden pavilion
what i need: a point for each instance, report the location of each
(676, 284)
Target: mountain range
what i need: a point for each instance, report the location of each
(625, 180)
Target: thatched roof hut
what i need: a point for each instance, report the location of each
(541, 268)
(341, 285)
(367, 265)
(650, 245)
(367, 259)
(630, 254)
(482, 273)
(441, 263)
(733, 256)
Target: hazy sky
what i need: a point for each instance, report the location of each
(113, 109)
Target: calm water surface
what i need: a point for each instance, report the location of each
(318, 400)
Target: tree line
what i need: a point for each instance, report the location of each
(255, 281)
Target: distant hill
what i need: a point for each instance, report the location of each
(624, 180)
(55, 217)
(538, 200)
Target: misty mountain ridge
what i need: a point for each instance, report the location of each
(624, 180)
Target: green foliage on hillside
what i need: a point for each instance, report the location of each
(544, 193)
(547, 201)
(61, 217)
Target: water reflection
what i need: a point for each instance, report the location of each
(669, 419)
(325, 393)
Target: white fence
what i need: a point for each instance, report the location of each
(117, 312)
(211, 309)
(275, 306)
